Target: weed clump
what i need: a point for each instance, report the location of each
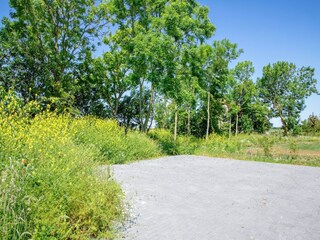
(266, 143)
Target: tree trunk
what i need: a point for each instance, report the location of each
(175, 125)
(237, 121)
(115, 109)
(285, 126)
(140, 107)
(208, 117)
(230, 122)
(146, 121)
(189, 121)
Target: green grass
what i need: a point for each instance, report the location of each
(299, 150)
(309, 146)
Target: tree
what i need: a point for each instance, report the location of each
(43, 45)
(311, 125)
(244, 90)
(156, 34)
(215, 71)
(149, 51)
(112, 75)
(284, 87)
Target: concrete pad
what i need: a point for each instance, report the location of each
(190, 197)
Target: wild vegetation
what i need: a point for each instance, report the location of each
(154, 67)
(88, 82)
(299, 150)
(50, 182)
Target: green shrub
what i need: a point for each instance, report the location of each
(218, 144)
(293, 147)
(140, 146)
(165, 140)
(115, 147)
(183, 145)
(49, 185)
(187, 145)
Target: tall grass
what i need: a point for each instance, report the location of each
(50, 188)
(300, 150)
(114, 145)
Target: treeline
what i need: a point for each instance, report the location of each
(156, 69)
(311, 125)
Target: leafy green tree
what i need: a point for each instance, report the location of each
(164, 110)
(112, 74)
(244, 90)
(215, 72)
(43, 44)
(187, 23)
(156, 34)
(258, 113)
(311, 125)
(284, 87)
(149, 50)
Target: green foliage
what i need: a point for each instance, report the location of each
(165, 141)
(49, 187)
(14, 210)
(44, 44)
(218, 145)
(284, 87)
(187, 144)
(183, 145)
(311, 126)
(114, 145)
(246, 124)
(293, 146)
(156, 50)
(50, 184)
(139, 146)
(266, 142)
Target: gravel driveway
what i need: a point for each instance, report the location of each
(190, 197)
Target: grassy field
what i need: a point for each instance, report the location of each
(299, 150)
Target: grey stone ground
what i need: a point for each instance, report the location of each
(189, 197)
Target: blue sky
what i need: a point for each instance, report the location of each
(271, 31)
(267, 31)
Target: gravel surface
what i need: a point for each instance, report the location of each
(190, 197)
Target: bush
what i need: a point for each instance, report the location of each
(293, 147)
(218, 144)
(140, 146)
(114, 146)
(50, 188)
(187, 144)
(266, 143)
(165, 140)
